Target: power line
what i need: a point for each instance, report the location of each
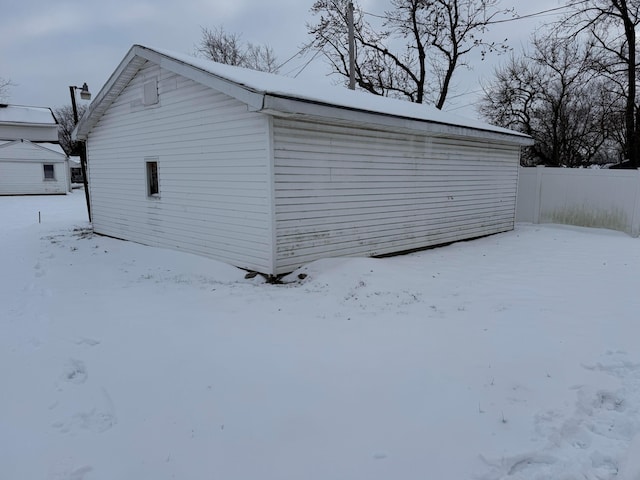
(299, 52)
(530, 15)
(374, 15)
(519, 17)
(307, 64)
(460, 107)
(468, 92)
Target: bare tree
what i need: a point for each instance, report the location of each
(66, 124)
(611, 26)
(4, 89)
(416, 50)
(228, 48)
(553, 94)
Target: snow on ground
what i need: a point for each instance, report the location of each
(510, 357)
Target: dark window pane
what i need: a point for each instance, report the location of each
(49, 173)
(152, 177)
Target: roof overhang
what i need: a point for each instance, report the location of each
(277, 104)
(129, 66)
(30, 124)
(49, 147)
(293, 107)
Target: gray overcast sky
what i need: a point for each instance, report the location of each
(45, 45)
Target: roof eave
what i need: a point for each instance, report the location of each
(272, 103)
(29, 124)
(128, 68)
(288, 106)
(121, 76)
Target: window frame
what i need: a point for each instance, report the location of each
(52, 178)
(152, 176)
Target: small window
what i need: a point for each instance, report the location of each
(49, 172)
(153, 187)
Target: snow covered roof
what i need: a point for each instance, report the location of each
(24, 114)
(55, 147)
(48, 147)
(278, 95)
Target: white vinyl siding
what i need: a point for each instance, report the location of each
(150, 92)
(22, 170)
(345, 191)
(34, 133)
(212, 170)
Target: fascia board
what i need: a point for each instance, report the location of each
(118, 80)
(29, 124)
(54, 157)
(252, 98)
(287, 106)
(42, 147)
(130, 65)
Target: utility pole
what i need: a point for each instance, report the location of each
(85, 95)
(352, 48)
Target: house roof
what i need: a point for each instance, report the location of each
(278, 95)
(54, 147)
(52, 150)
(29, 115)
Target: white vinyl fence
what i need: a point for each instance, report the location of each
(585, 197)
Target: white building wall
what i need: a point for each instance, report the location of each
(22, 171)
(212, 159)
(35, 133)
(344, 191)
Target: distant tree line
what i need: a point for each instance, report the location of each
(575, 89)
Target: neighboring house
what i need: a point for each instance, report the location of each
(32, 162)
(269, 173)
(75, 170)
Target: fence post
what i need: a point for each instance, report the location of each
(635, 223)
(538, 194)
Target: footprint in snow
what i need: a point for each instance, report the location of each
(79, 473)
(69, 473)
(90, 342)
(75, 372)
(595, 436)
(97, 420)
